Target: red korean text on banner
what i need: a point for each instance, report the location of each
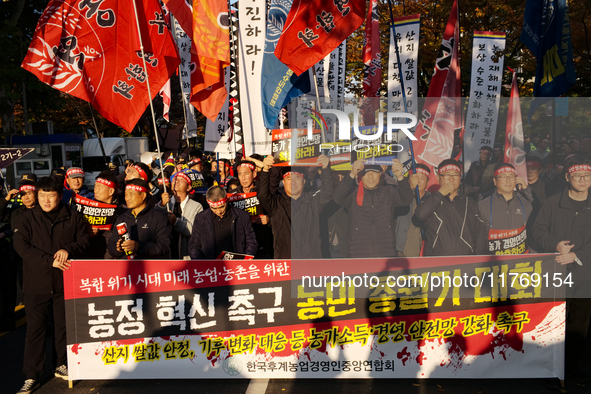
(314, 29)
(212, 44)
(514, 143)
(372, 64)
(441, 115)
(92, 51)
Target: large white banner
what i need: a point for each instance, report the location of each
(219, 137)
(184, 44)
(485, 94)
(408, 29)
(253, 24)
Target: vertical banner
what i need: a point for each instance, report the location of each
(408, 29)
(372, 64)
(485, 94)
(342, 61)
(218, 136)
(442, 113)
(253, 20)
(514, 142)
(183, 42)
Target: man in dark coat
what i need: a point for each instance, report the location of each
(47, 237)
(148, 228)
(563, 225)
(221, 228)
(74, 184)
(294, 213)
(451, 221)
(371, 208)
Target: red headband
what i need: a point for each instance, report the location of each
(137, 188)
(24, 188)
(449, 167)
(293, 173)
(217, 204)
(74, 171)
(422, 171)
(165, 180)
(185, 177)
(579, 167)
(141, 172)
(107, 183)
(249, 165)
(534, 164)
(505, 169)
(194, 162)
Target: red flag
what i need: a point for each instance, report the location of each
(514, 143)
(92, 51)
(183, 13)
(372, 64)
(442, 113)
(313, 29)
(211, 38)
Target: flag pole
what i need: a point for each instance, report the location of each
(318, 102)
(399, 64)
(139, 33)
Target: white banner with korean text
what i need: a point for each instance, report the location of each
(485, 94)
(408, 29)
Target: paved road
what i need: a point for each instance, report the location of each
(12, 344)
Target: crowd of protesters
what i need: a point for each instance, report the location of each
(184, 207)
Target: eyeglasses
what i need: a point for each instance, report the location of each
(506, 177)
(447, 177)
(577, 178)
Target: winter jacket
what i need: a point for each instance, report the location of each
(452, 228)
(371, 230)
(69, 198)
(202, 242)
(299, 239)
(150, 228)
(506, 214)
(37, 239)
(184, 224)
(409, 240)
(559, 221)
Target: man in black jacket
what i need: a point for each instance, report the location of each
(221, 228)
(294, 213)
(149, 229)
(371, 208)
(46, 237)
(563, 225)
(451, 221)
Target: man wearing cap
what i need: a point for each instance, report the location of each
(371, 208)
(473, 178)
(148, 228)
(506, 212)
(181, 211)
(74, 184)
(450, 220)
(408, 230)
(221, 228)
(47, 237)
(563, 226)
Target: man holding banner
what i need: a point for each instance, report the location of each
(563, 226)
(47, 237)
(506, 213)
(452, 224)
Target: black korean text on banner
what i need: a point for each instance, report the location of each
(512, 241)
(99, 215)
(177, 319)
(305, 151)
(378, 151)
(248, 202)
(485, 93)
(408, 30)
(10, 155)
